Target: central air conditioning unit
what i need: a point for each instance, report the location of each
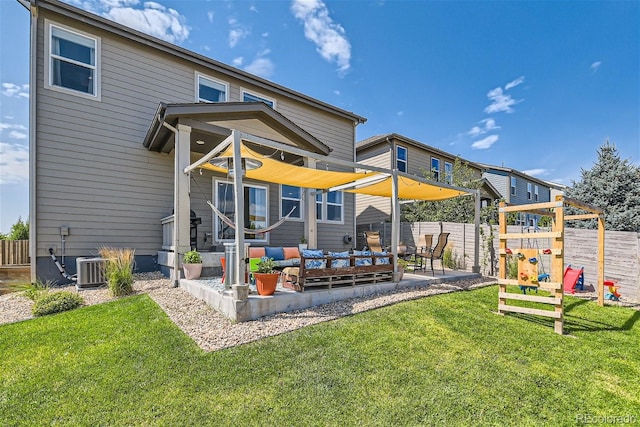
(90, 272)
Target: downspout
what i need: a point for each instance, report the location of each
(33, 55)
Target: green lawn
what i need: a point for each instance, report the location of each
(446, 359)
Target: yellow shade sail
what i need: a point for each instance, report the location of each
(409, 189)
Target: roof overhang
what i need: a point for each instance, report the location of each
(211, 123)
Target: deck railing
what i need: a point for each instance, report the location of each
(167, 233)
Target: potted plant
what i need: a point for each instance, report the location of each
(303, 244)
(266, 276)
(402, 266)
(192, 264)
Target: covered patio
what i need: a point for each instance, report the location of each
(269, 148)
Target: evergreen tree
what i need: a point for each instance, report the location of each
(612, 185)
(459, 209)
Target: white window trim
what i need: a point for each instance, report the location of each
(97, 95)
(398, 160)
(244, 91)
(301, 200)
(216, 181)
(213, 79)
(324, 210)
(448, 178)
(536, 193)
(529, 191)
(435, 170)
(513, 185)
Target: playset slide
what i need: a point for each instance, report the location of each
(571, 278)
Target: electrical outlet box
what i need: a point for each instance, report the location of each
(64, 230)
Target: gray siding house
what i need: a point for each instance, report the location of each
(413, 157)
(103, 168)
(518, 188)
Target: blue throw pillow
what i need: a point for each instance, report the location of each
(310, 261)
(276, 253)
(362, 261)
(382, 261)
(341, 261)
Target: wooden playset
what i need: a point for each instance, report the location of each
(529, 260)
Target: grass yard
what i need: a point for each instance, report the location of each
(446, 359)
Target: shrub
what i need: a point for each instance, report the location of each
(118, 269)
(192, 257)
(56, 302)
(35, 289)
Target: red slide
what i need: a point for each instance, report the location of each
(571, 276)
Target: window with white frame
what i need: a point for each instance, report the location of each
(256, 211)
(529, 191)
(448, 173)
(252, 97)
(73, 61)
(210, 90)
(329, 206)
(290, 197)
(535, 193)
(401, 158)
(435, 169)
(513, 185)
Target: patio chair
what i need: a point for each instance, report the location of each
(374, 242)
(437, 252)
(425, 244)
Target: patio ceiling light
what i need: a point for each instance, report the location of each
(227, 163)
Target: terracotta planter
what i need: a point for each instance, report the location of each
(192, 271)
(266, 283)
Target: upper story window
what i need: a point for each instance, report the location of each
(253, 97)
(329, 206)
(73, 61)
(535, 193)
(290, 197)
(529, 191)
(448, 173)
(513, 185)
(435, 169)
(401, 158)
(210, 90)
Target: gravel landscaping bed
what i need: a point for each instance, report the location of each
(212, 331)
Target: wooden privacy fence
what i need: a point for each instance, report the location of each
(14, 252)
(621, 249)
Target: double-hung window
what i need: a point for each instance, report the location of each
(401, 158)
(529, 191)
(513, 185)
(435, 169)
(291, 197)
(535, 193)
(73, 61)
(448, 173)
(329, 206)
(255, 211)
(253, 97)
(210, 90)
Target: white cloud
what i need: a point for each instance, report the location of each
(514, 83)
(12, 89)
(537, 172)
(329, 37)
(14, 163)
(400, 113)
(265, 34)
(210, 15)
(4, 126)
(336, 92)
(262, 67)
(596, 65)
(237, 62)
(489, 125)
(253, 9)
(237, 34)
(14, 134)
(499, 102)
(153, 18)
(485, 143)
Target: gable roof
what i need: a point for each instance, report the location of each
(104, 24)
(488, 168)
(211, 124)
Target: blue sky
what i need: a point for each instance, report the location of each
(536, 86)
